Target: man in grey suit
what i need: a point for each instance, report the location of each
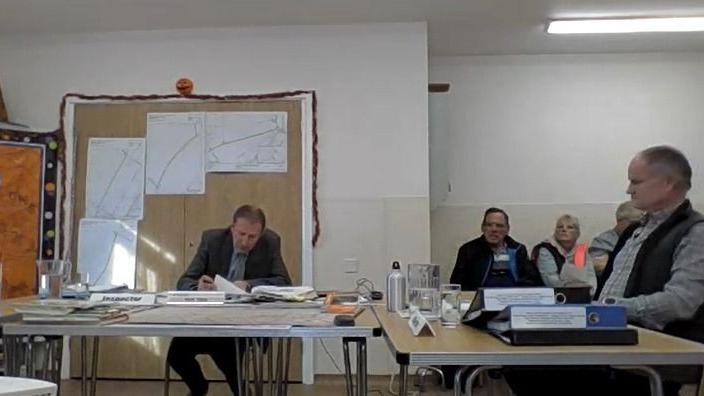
(247, 254)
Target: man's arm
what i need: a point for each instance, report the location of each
(682, 295)
(278, 275)
(459, 273)
(527, 272)
(189, 279)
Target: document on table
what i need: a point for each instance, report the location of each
(226, 286)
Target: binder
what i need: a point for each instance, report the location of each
(569, 316)
(590, 336)
(488, 302)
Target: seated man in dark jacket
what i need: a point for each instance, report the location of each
(494, 259)
(247, 254)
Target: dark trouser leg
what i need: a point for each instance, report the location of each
(182, 358)
(224, 357)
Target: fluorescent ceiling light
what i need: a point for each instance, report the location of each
(631, 25)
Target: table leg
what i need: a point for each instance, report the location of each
(286, 365)
(653, 377)
(84, 362)
(348, 366)
(468, 385)
(270, 365)
(238, 366)
(403, 380)
(94, 366)
(362, 366)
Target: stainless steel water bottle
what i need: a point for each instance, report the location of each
(395, 289)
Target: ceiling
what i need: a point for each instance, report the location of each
(455, 27)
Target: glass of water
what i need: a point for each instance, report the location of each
(423, 289)
(52, 275)
(450, 304)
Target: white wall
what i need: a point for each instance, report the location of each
(543, 135)
(371, 82)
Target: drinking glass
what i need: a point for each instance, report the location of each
(423, 289)
(450, 304)
(52, 275)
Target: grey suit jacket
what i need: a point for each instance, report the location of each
(264, 265)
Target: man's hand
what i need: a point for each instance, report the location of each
(244, 285)
(206, 283)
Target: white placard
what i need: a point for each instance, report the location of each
(195, 297)
(123, 298)
(419, 324)
(548, 317)
(496, 299)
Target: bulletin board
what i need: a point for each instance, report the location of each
(169, 233)
(28, 206)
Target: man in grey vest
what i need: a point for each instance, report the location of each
(657, 267)
(247, 254)
(656, 270)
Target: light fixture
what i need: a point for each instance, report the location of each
(626, 25)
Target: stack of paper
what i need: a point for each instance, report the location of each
(286, 293)
(67, 311)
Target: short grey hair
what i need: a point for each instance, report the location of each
(626, 211)
(569, 219)
(671, 162)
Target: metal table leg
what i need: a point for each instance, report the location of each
(348, 366)
(470, 379)
(94, 366)
(362, 366)
(653, 377)
(403, 380)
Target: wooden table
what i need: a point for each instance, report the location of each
(467, 346)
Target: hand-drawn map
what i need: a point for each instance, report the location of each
(115, 178)
(175, 153)
(246, 141)
(107, 251)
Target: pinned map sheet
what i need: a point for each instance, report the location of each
(107, 251)
(175, 153)
(246, 141)
(115, 178)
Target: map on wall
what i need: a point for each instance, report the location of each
(246, 141)
(175, 153)
(115, 178)
(107, 251)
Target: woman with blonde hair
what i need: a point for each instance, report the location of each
(561, 260)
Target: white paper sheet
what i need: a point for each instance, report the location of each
(246, 141)
(107, 251)
(225, 285)
(115, 178)
(175, 153)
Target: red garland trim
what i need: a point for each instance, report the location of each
(275, 95)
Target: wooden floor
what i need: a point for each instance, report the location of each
(325, 385)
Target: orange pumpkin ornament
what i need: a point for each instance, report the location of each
(184, 86)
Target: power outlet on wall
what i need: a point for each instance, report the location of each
(350, 265)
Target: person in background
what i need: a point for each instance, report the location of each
(494, 259)
(561, 260)
(603, 244)
(247, 254)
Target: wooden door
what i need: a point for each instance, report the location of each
(170, 231)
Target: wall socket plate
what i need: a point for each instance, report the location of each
(350, 265)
